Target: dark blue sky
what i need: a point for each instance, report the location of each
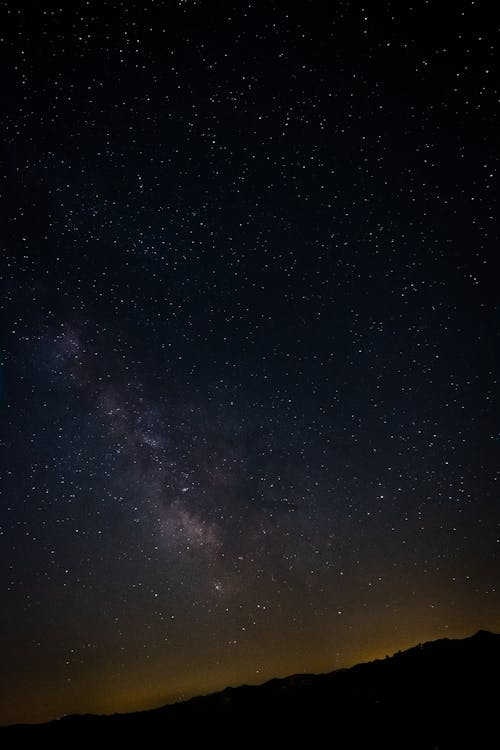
(249, 335)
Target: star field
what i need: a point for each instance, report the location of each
(249, 342)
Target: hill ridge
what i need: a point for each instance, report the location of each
(433, 692)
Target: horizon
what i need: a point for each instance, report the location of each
(253, 682)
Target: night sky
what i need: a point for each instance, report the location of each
(249, 342)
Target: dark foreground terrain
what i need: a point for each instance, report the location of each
(441, 694)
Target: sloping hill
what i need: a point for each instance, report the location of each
(436, 695)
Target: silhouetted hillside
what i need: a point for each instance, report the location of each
(440, 694)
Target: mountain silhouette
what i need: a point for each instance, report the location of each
(440, 694)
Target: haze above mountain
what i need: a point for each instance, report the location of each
(437, 694)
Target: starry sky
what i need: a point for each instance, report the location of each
(248, 342)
